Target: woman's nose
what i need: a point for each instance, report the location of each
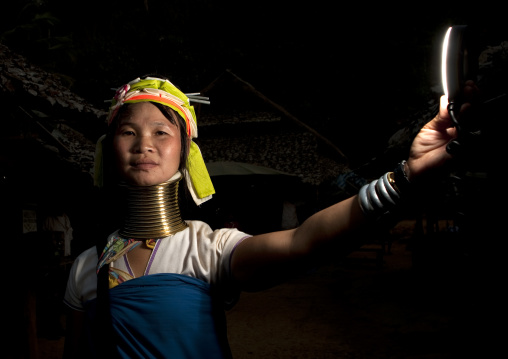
(143, 144)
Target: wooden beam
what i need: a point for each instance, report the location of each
(289, 115)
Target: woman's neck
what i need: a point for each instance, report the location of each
(151, 211)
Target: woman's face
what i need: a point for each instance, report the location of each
(146, 145)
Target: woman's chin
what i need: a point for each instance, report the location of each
(145, 180)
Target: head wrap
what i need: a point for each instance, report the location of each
(152, 89)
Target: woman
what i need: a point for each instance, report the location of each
(158, 286)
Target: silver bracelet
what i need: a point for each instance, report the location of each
(378, 198)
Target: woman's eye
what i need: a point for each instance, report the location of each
(161, 133)
(127, 133)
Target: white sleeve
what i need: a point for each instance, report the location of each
(227, 240)
(82, 281)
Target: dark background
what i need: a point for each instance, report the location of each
(353, 71)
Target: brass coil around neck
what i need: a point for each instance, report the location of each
(151, 211)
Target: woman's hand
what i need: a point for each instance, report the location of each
(428, 151)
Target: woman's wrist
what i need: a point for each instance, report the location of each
(401, 176)
(382, 197)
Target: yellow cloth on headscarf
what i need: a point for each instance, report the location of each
(198, 173)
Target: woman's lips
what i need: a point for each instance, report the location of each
(144, 164)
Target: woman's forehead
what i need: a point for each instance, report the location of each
(161, 115)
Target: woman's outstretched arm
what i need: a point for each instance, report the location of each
(267, 259)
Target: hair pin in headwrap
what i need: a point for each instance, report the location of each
(195, 97)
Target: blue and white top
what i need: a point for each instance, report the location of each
(175, 309)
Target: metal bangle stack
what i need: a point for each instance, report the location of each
(380, 197)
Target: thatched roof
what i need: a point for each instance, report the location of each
(19, 76)
(43, 111)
